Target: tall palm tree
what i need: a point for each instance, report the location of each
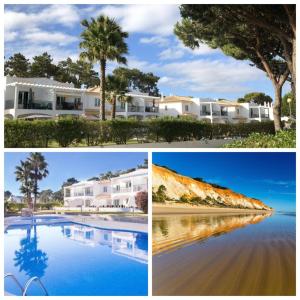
(117, 87)
(23, 174)
(103, 40)
(38, 171)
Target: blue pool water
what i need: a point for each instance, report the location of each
(72, 259)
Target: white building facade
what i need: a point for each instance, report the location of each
(140, 106)
(116, 194)
(30, 98)
(39, 98)
(214, 111)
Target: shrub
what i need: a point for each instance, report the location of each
(71, 131)
(96, 133)
(68, 130)
(15, 207)
(141, 200)
(282, 139)
(47, 206)
(160, 195)
(123, 130)
(22, 133)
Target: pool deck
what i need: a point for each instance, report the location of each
(132, 223)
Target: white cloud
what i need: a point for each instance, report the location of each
(66, 15)
(156, 40)
(147, 19)
(197, 76)
(38, 36)
(179, 50)
(171, 53)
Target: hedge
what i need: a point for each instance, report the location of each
(71, 131)
(282, 139)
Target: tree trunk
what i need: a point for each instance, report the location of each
(113, 112)
(102, 88)
(293, 71)
(277, 107)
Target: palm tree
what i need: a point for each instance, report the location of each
(38, 171)
(23, 174)
(117, 88)
(103, 40)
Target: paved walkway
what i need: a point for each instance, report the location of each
(188, 144)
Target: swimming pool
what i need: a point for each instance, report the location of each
(74, 259)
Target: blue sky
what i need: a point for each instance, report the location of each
(33, 29)
(63, 165)
(270, 177)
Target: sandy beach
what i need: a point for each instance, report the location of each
(258, 259)
(176, 208)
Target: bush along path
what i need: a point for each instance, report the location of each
(81, 132)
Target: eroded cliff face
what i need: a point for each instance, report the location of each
(177, 186)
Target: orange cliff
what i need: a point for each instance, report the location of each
(178, 185)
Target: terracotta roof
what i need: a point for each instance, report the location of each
(228, 103)
(94, 89)
(169, 99)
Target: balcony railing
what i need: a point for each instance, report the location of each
(122, 190)
(43, 105)
(135, 108)
(120, 109)
(151, 109)
(69, 106)
(204, 113)
(139, 187)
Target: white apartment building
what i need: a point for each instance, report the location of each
(31, 98)
(116, 194)
(215, 111)
(39, 98)
(140, 106)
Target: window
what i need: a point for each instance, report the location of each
(97, 102)
(128, 184)
(60, 100)
(88, 191)
(67, 193)
(166, 107)
(105, 189)
(186, 108)
(23, 98)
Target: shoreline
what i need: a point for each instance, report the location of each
(169, 209)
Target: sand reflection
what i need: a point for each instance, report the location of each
(174, 231)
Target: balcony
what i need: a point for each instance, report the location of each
(122, 190)
(140, 187)
(204, 113)
(135, 108)
(42, 105)
(151, 109)
(69, 106)
(120, 109)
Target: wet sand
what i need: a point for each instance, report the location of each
(189, 209)
(258, 259)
